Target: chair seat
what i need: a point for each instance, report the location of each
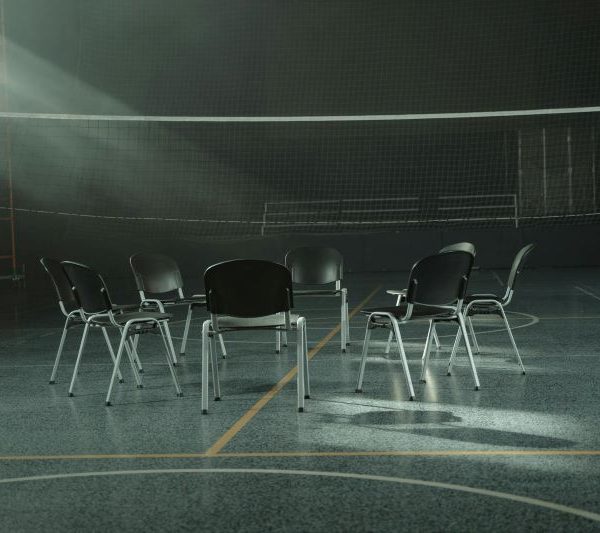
(481, 296)
(483, 308)
(425, 312)
(318, 292)
(197, 299)
(276, 321)
(138, 316)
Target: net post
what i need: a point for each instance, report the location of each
(570, 168)
(264, 220)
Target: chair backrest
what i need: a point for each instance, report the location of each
(61, 283)
(459, 246)
(517, 266)
(89, 287)
(440, 279)
(248, 288)
(315, 265)
(155, 273)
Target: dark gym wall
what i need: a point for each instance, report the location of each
(268, 57)
(313, 57)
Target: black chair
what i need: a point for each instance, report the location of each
(69, 307)
(244, 295)
(435, 293)
(98, 311)
(160, 277)
(401, 293)
(489, 304)
(318, 265)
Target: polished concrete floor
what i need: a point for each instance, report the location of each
(521, 454)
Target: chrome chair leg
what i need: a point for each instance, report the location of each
(363, 361)
(512, 339)
(305, 359)
(215, 367)
(403, 359)
(469, 352)
(165, 335)
(343, 325)
(117, 363)
(186, 330)
(388, 346)
(169, 339)
(223, 350)
(205, 349)
(134, 369)
(454, 350)
(60, 350)
(111, 352)
(472, 332)
(436, 339)
(301, 365)
(426, 350)
(78, 360)
(347, 323)
(134, 344)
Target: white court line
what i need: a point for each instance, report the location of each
(315, 473)
(589, 293)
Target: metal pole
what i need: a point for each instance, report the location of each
(570, 168)
(520, 170)
(7, 145)
(544, 172)
(593, 168)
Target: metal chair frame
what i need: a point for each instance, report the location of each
(230, 312)
(97, 310)
(492, 304)
(431, 308)
(150, 282)
(401, 294)
(331, 271)
(73, 317)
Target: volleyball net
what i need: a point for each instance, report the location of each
(232, 177)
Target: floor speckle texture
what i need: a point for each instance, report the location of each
(534, 436)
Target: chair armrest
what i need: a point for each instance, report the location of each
(397, 292)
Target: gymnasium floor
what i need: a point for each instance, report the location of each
(521, 454)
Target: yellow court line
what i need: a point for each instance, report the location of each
(255, 409)
(267, 455)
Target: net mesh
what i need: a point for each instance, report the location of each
(245, 179)
(213, 120)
